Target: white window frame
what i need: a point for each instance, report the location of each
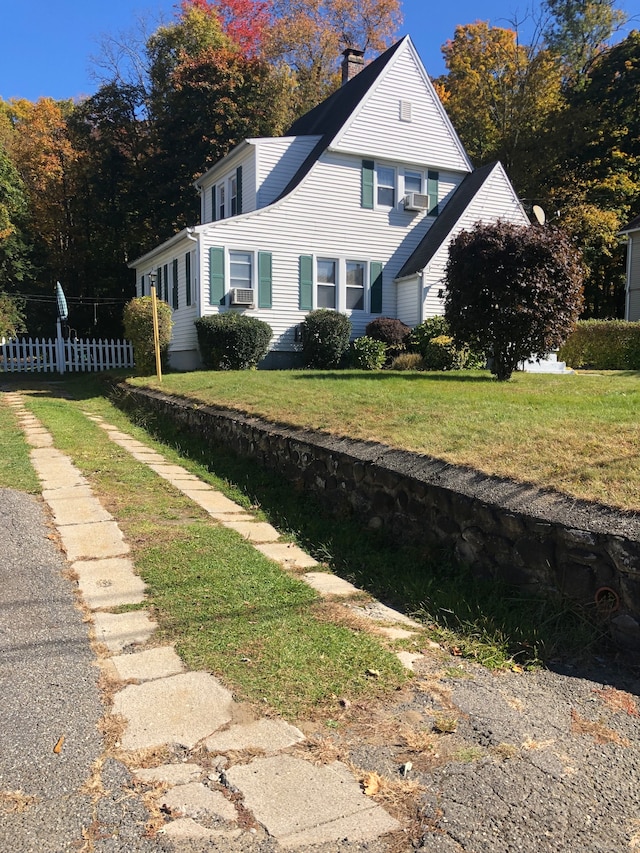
(381, 187)
(221, 200)
(242, 283)
(341, 286)
(419, 173)
(233, 194)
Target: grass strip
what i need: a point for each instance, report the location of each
(16, 471)
(575, 433)
(228, 609)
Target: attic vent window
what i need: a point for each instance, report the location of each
(405, 111)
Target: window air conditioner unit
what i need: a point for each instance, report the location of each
(416, 201)
(241, 296)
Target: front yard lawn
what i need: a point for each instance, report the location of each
(577, 433)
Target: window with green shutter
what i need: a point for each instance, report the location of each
(239, 189)
(305, 299)
(187, 276)
(367, 181)
(375, 277)
(265, 276)
(216, 276)
(174, 285)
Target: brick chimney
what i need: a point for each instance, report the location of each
(352, 63)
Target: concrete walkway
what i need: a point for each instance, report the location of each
(259, 777)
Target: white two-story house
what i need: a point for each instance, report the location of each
(353, 210)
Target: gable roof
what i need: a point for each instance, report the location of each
(446, 221)
(329, 117)
(634, 225)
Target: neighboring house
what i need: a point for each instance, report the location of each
(353, 209)
(632, 300)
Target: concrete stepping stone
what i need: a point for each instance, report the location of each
(80, 490)
(210, 500)
(77, 510)
(254, 531)
(168, 470)
(169, 774)
(109, 583)
(95, 540)
(407, 659)
(197, 801)
(268, 735)
(302, 804)
(54, 469)
(182, 709)
(287, 554)
(395, 633)
(38, 437)
(328, 584)
(116, 631)
(148, 665)
(379, 612)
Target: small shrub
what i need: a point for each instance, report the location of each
(366, 353)
(232, 341)
(422, 334)
(603, 345)
(390, 331)
(138, 328)
(325, 338)
(408, 361)
(440, 353)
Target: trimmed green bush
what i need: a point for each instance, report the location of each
(603, 345)
(325, 338)
(442, 355)
(422, 334)
(232, 341)
(408, 361)
(366, 353)
(137, 320)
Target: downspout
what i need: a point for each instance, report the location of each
(196, 271)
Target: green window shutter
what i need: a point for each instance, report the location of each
(375, 274)
(432, 192)
(239, 191)
(216, 276)
(306, 283)
(187, 276)
(213, 203)
(165, 279)
(174, 275)
(159, 283)
(366, 198)
(264, 280)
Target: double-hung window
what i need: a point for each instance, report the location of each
(240, 269)
(412, 182)
(386, 186)
(356, 273)
(233, 195)
(221, 200)
(327, 282)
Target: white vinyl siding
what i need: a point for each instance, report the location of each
(277, 161)
(633, 284)
(429, 138)
(496, 200)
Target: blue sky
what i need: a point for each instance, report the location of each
(46, 45)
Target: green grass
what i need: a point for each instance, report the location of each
(16, 471)
(227, 608)
(576, 433)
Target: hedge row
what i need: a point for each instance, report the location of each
(603, 345)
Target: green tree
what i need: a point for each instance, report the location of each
(578, 31)
(12, 321)
(513, 90)
(513, 292)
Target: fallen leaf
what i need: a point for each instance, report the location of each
(58, 747)
(373, 673)
(371, 784)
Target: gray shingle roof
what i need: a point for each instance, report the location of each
(634, 225)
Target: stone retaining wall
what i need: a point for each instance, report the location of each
(500, 528)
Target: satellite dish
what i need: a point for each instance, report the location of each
(539, 214)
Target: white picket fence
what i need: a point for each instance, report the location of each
(60, 356)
